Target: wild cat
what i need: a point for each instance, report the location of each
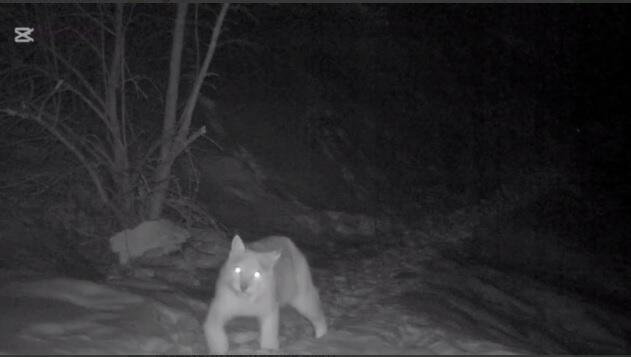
(257, 281)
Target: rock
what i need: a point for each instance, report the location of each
(158, 237)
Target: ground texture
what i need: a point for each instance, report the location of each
(397, 300)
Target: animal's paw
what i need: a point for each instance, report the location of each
(320, 330)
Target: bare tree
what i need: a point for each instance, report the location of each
(176, 134)
(62, 86)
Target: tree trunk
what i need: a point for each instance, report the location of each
(165, 160)
(175, 135)
(120, 171)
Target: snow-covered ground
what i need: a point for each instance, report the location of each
(403, 300)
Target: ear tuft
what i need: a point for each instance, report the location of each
(237, 245)
(274, 256)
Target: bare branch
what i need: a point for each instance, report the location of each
(87, 42)
(201, 131)
(94, 145)
(89, 103)
(185, 119)
(68, 86)
(69, 145)
(112, 81)
(214, 142)
(84, 82)
(243, 9)
(149, 152)
(168, 128)
(196, 29)
(99, 23)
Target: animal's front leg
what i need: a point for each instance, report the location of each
(269, 330)
(214, 331)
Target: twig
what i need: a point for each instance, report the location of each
(199, 132)
(73, 148)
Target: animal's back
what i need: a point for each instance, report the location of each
(291, 272)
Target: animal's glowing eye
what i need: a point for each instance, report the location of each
(237, 270)
(257, 275)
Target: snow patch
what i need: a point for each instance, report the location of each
(78, 292)
(98, 320)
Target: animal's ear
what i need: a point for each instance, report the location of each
(237, 245)
(273, 257)
(268, 259)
